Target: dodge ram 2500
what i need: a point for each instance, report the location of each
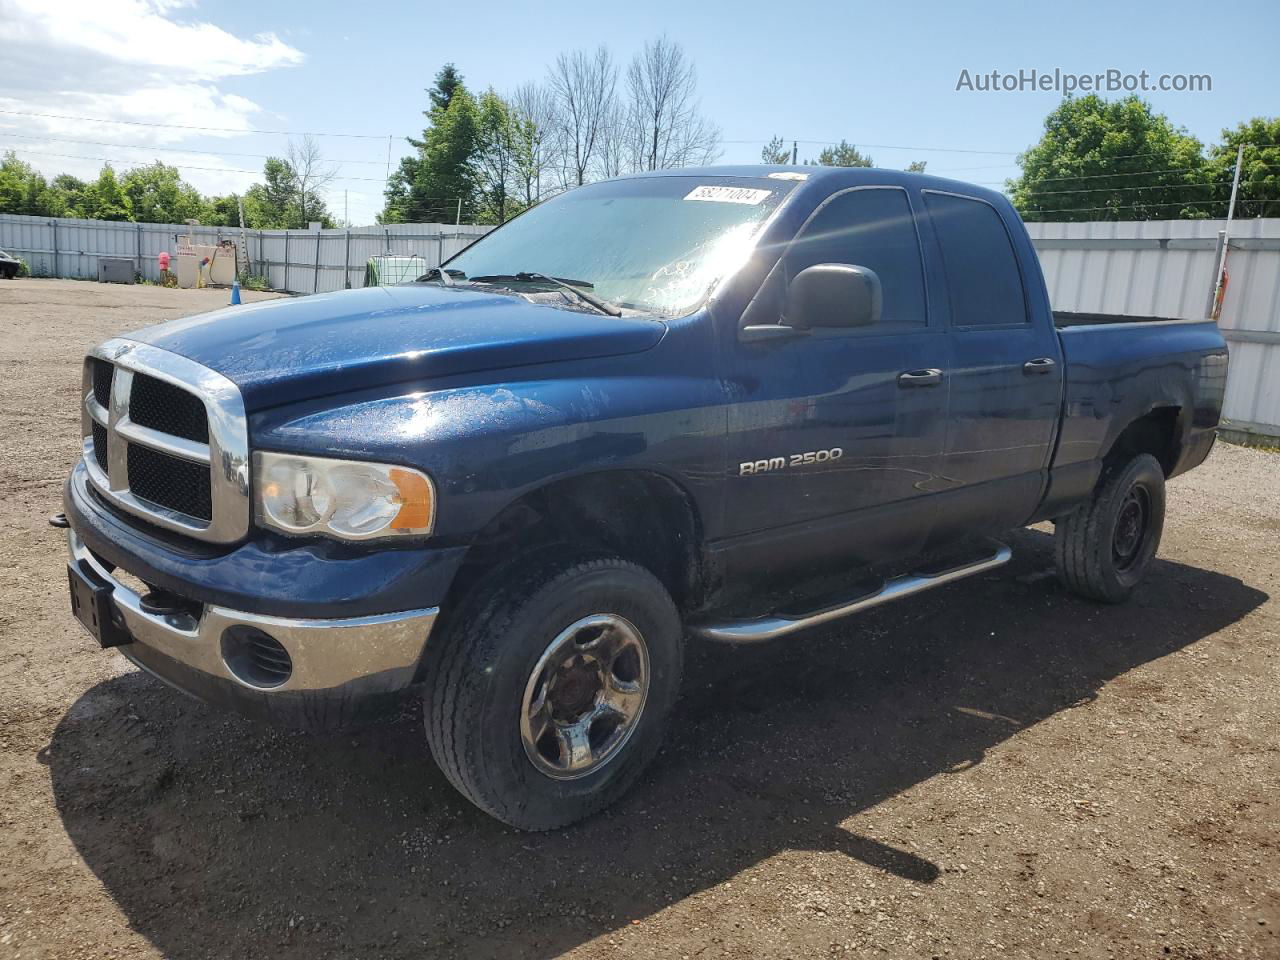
(675, 404)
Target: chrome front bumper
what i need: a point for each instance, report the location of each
(372, 654)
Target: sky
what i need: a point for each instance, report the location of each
(883, 76)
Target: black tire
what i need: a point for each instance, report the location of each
(8, 272)
(1104, 548)
(480, 666)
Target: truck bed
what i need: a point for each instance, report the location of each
(1070, 318)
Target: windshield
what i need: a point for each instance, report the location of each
(655, 244)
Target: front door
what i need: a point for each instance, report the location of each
(836, 438)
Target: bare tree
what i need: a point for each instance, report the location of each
(583, 88)
(663, 109)
(311, 174)
(617, 154)
(532, 109)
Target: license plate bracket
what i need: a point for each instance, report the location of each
(93, 606)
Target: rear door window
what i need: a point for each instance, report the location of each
(983, 280)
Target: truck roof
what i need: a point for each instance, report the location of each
(829, 177)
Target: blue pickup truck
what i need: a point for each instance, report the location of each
(727, 403)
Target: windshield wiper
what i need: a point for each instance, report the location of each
(604, 306)
(437, 273)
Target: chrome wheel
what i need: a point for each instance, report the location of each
(584, 697)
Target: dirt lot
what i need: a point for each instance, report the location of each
(995, 769)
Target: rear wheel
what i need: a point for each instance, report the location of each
(549, 691)
(1104, 548)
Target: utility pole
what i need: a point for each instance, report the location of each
(1226, 236)
(795, 153)
(458, 221)
(243, 267)
(346, 215)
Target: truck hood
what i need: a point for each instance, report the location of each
(283, 351)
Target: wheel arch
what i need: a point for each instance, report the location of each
(641, 515)
(1158, 432)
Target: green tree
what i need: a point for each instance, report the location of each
(157, 194)
(917, 166)
(428, 185)
(498, 140)
(73, 194)
(776, 152)
(107, 197)
(23, 190)
(1112, 160)
(224, 211)
(448, 80)
(1259, 173)
(843, 155)
(279, 187)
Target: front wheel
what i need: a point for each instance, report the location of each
(1104, 548)
(550, 688)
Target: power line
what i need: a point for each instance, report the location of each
(1151, 186)
(179, 166)
(1128, 206)
(181, 126)
(882, 146)
(147, 146)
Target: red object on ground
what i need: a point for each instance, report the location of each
(163, 257)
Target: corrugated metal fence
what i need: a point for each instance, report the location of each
(1166, 268)
(1158, 268)
(301, 261)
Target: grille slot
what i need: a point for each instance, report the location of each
(100, 445)
(102, 374)
(162, 406)
(170, 482)
(256, 658)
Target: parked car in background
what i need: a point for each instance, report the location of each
(672, 404)
(9, 266)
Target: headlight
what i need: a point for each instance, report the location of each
(342, 498)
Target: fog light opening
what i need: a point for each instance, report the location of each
(255, 658)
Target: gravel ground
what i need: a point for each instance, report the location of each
(993, 769)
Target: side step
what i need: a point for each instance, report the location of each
(780, 625)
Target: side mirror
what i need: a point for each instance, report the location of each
(833, 295)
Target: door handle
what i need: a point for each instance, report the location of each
(1039, 365)
(930, 377)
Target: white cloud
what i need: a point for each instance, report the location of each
(148, 61)
(142, 34)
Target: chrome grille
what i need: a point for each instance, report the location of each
(169, 409)
(100, 446)
(170, 482)
(102, 372)
(169, 444)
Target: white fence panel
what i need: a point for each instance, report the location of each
(1166, 268)
(300, 261)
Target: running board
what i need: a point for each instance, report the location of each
(780, 625)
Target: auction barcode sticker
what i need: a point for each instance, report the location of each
(747, 195)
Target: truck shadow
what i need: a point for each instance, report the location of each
(219, 837)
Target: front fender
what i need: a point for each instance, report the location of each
(486, 445)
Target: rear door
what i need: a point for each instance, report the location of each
(825, 428)
(1006, 372)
